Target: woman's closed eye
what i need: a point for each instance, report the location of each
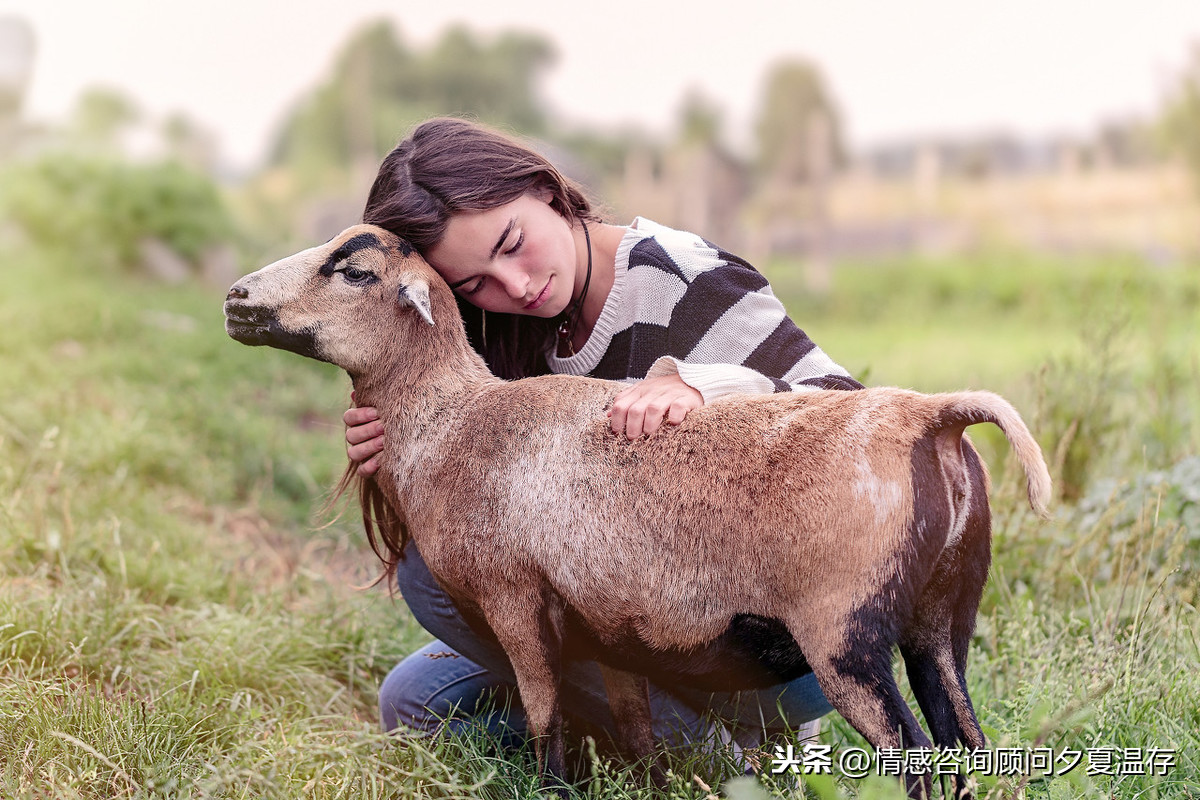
(472, 286)
(516, 245)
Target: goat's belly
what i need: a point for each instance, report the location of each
(753, 653)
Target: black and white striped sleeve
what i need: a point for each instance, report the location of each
(729, 333)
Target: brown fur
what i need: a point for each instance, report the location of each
(857, 519)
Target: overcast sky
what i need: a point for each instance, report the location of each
(897, 69)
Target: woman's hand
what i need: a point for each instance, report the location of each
(364, 438)
(642, 408)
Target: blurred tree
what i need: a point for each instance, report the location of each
(101, 116)
(335, 126)
(189, 143)
(700, 120)
(799, 148)
(1181, 119)
(494, 83)
(796, 109)
(603, 154)
(379, 88)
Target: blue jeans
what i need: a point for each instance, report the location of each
(465, 680)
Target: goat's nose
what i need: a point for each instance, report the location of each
(237, 293)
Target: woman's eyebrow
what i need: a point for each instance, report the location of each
(507, 230)
(512, 223)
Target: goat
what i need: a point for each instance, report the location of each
(763, 537)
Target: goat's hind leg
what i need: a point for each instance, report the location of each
(629, 699)
(941, 691)
(934, 649)
(937, 640)
(936, 643)
(857, 680)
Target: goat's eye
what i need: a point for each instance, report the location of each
(355, 275)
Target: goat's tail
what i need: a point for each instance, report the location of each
(961, 409)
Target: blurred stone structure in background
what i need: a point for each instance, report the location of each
(16, 68)
(1111, 194)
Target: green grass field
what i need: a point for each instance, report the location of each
(176, 622)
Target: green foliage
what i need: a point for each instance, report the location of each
(998, 319)
(99, 210)
(379, 88)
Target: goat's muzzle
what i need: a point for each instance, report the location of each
(259, 325)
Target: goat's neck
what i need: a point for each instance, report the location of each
(414, 387)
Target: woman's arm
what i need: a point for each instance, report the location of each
(675, 386)
(733, 335)
(726, 333)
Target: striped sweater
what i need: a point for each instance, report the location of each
(680, 305)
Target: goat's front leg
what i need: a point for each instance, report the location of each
(529, 628)
(629, 699)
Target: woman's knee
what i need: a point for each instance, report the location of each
(436, 688)
(436, 612)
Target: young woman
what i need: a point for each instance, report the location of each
(546, 286)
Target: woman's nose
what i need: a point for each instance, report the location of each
(515, 283)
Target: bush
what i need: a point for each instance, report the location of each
(106, 208)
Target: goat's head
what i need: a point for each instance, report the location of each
(344, 302)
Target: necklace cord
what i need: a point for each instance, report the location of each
(566, 330)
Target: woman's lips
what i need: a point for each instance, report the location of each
(542, 297)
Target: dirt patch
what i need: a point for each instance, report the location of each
(280, 557)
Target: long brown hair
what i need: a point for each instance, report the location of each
(449, 165)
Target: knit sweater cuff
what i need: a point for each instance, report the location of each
(713, 380)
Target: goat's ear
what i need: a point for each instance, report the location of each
(416, 294)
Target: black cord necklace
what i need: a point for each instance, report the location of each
(566, 328)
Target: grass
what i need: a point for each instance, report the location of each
(174, 623)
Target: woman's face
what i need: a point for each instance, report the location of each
(518, 258)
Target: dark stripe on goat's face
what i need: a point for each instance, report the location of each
(361, 241)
